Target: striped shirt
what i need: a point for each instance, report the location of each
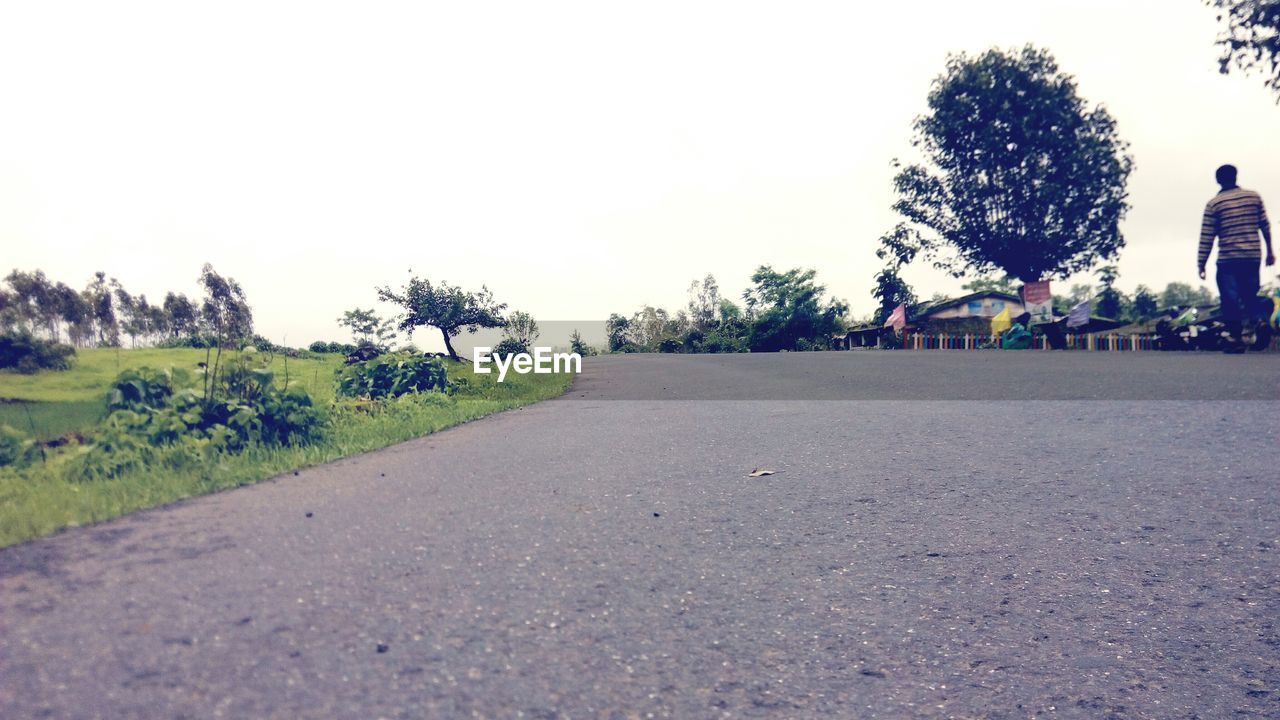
(1233, 216)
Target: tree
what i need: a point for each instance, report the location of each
(1251, 40)
(1111, 301)
(521, 329)
(225, 309)
(704, 302)
(1145, 303)
(577, 345)
(616, 330)
(789, 310)
(891, 291)
(1019, 175)
(367, 329)
(183, 318)
(99, 296)
(1182, 295)
(445, 307)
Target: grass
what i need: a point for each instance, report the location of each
(44, 498)
(49, 420)
(93, 369)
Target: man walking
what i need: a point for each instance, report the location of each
(1235, 216)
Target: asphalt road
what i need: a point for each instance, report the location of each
(937, 542)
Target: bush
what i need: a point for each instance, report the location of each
(392, 375)
(509, 346)
(152, 409)
(143, 389)
(577, 345)
(321, 346)
(15, 448)
(27, 354)
(199, 342)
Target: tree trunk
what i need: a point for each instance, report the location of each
(448, 345)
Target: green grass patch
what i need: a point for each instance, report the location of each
(47, 497)
(93, 369)
(49, 420)
(73, 400)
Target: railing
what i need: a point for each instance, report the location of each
(1098, 342)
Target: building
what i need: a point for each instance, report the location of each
(986, 305)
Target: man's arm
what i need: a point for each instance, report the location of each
(1208, 230)
(1265, 226)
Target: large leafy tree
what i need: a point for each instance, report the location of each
(447, 308)
(1251, 40)
(1019, 176)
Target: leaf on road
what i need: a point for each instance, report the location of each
(760, 473)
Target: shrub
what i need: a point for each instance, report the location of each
(28, 354)
(392, 375)
(576, 344)
(15, 448)
(321, 346)
(143, 389)
(153, 409)
(509, 346)
(199, 342)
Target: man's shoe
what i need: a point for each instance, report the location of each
(1234, 348)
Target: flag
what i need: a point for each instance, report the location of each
(1038, 301)
(1001, 322)
(898, 318)
(1079, 314)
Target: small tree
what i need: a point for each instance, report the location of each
(445, 307)
(617, 328)
(704, 302)
(367, 329)
(891, 291)
(522, 329)
(225, 312)
(1251, 40)
(1111, 301)
(1145, 304)
(577, 345)
(184, 320)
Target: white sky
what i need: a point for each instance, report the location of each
(578, 158)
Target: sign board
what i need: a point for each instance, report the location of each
(1038, 301)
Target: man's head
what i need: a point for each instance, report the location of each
(1226, 176)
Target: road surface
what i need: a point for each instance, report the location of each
(980, 534)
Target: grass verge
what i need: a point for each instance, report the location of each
(47, 496)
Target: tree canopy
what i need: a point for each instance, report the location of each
(1251, 40)
(1019, 176)
(446, 307)
(789, 310)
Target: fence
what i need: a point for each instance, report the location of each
(1101, 342)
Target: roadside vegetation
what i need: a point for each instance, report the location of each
(780, 311)
(211, 407)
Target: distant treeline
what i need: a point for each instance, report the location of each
(780, 311)
(104, 314)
